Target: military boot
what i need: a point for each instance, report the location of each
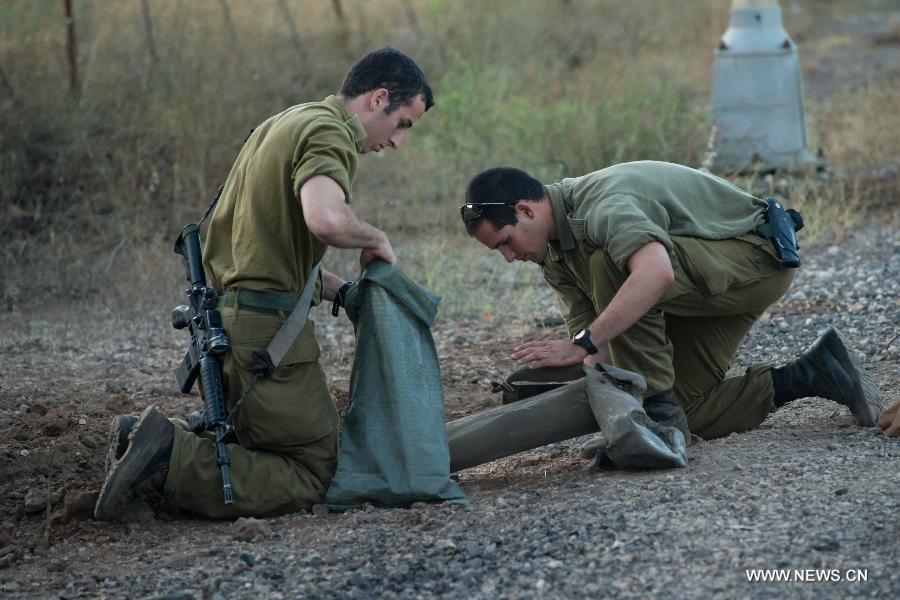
(829, 370)
(142, 469)
(665, 409)
(119, 428)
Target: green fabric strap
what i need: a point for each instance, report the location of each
(274, 301)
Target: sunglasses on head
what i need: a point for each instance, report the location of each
(470, 212)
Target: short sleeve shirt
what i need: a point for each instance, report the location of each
(258, 238)
(623, 208)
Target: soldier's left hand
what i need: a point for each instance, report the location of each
(548, 353)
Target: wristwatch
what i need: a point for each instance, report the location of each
(583, 338)
(339, 298)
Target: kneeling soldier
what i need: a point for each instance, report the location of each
(661, 269)
(285, 201)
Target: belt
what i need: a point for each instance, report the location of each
(264, 301)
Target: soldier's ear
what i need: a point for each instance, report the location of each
(524, 209)
(379, 99)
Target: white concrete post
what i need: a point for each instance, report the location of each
(757, 99)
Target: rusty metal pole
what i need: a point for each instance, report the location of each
(71, 46)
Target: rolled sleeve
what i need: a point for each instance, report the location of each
(624, 224)
(328, 151)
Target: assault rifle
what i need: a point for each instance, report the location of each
(208, 343)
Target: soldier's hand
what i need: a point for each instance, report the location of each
(384, 251)
(889, 420)
(548, 353)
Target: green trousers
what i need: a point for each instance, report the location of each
(287, 431)
(687, 342)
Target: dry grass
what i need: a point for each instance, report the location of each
(94, 186)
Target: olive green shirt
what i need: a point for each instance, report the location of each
(258, 238)
(624, 207)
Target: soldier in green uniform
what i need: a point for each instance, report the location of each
(658, 269)
(286, 199)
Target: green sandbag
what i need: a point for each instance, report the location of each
(393, 449)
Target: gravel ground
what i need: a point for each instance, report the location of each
(808, 490)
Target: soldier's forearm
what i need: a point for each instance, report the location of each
(331, 219)
(650, 276)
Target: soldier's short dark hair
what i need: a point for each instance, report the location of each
(496, 192)
(390, 69)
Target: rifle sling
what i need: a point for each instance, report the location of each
(286, 336)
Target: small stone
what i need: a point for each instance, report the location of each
(248, 558)
(445, 544)
(248, 529)
(36, 499)
(38, 409)
(738, 466)
(41, 547)
(418, 505)
(320, 510)
(507, 501)
(79, 506)
(827, 546)
(54, 424)
(57, 566)
(119, 404)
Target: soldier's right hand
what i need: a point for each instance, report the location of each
(384, 251)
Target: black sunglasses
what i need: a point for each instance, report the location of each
(470, 212)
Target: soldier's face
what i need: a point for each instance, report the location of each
(526, 240)
(388, 130)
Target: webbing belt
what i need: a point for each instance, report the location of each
(271, 301)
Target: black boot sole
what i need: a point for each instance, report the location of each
(859, 392)
(119, 429)
(151, 438)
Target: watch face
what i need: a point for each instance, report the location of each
(579, 334)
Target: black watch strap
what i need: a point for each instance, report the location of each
(583, 338)
(339, 298)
